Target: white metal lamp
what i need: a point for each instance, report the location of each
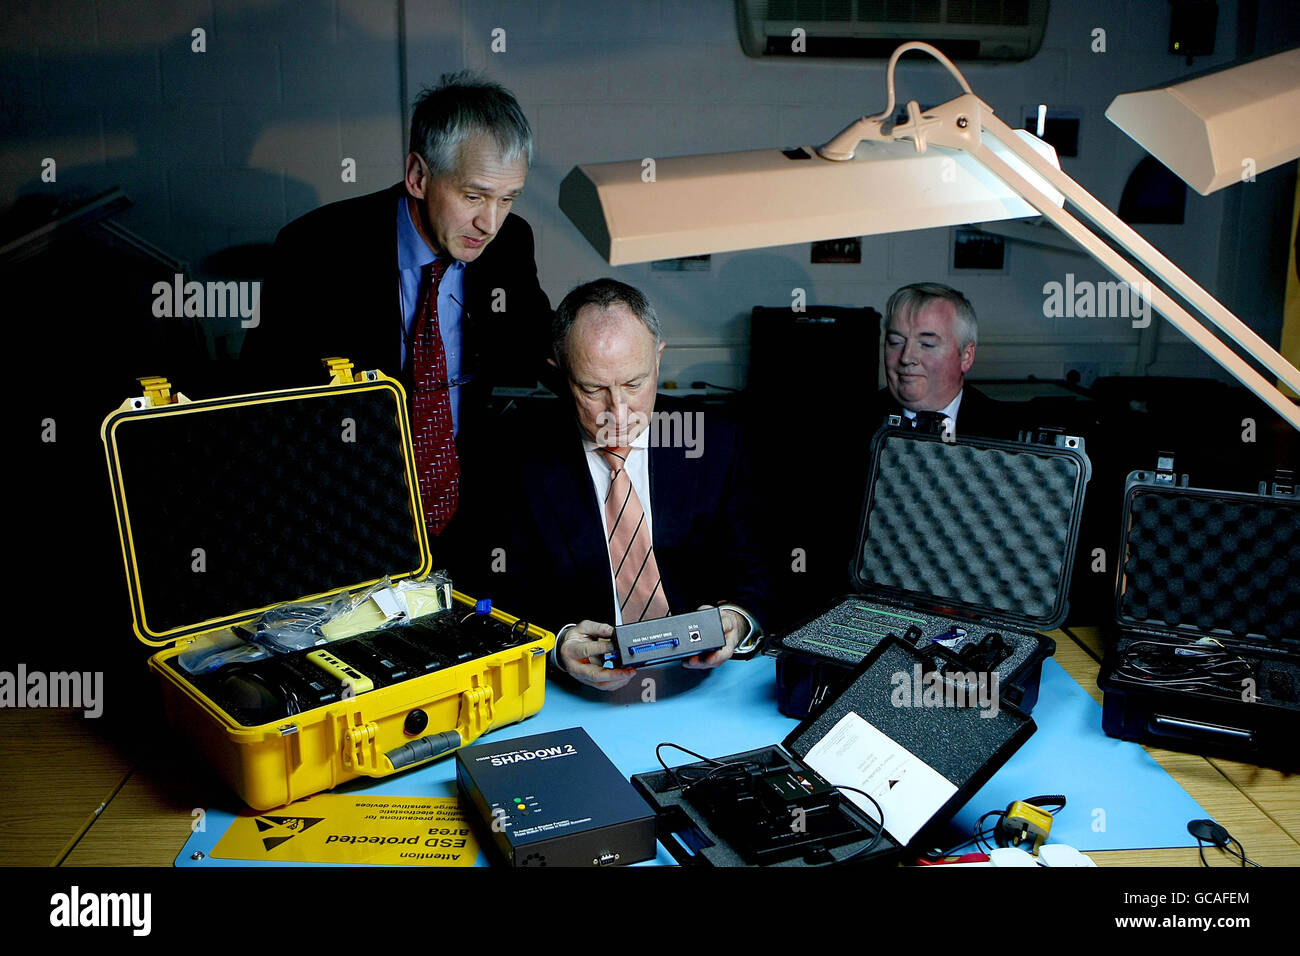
(716, 203)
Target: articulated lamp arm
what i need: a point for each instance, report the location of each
(960, 124)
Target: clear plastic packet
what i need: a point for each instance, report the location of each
(210, 652)
(293, 627)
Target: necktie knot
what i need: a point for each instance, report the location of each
(434, 271)
(616, 458)
(929, 422)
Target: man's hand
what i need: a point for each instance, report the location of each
(584, 649)
(734, 629)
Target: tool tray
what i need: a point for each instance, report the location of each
(1201, 566)
(230, 507)
(968, 533)
(965, 745)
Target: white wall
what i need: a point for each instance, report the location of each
(223, 147)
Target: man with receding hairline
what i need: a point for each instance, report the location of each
(605, 518)
(432, 281)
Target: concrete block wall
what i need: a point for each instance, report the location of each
(220, 148)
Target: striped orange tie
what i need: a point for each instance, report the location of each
(639, 590)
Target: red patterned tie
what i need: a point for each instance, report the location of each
(640, 592)
(434, 435)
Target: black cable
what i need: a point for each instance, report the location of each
(1200, 849)
(982, 835)
(1187, 667)
(725, 766)
(671, 771)
(1244, 859)
(1207, 831)
(880, 825)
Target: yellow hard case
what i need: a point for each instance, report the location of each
(289, 758)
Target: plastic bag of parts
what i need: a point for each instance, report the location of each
(387, 604)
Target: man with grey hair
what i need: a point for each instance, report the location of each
(930, 334)
(623, 505)
(432, 281)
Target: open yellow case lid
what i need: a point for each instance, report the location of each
(228, 507)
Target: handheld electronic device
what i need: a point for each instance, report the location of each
(672, 638)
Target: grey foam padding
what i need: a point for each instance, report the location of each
(280, 503)
(828, 635)
(667, 795)
(978, 527)
(958, 742)
(1206, 564)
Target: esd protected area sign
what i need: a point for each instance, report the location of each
(354, 828)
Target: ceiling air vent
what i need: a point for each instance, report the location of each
(872, 29)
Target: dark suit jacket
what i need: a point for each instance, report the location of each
(549, 523)
(332, 290)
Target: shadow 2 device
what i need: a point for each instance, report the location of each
(668, 638)
(554, 799)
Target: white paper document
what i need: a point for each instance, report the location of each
(856, 754)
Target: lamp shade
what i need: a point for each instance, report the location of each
(1221, 128)
(637, 211)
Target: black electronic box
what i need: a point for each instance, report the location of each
(554, 799)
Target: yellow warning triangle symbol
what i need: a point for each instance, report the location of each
(294, 825)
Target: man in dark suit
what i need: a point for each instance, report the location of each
(618, 505)
(431, 281)
(930, 333)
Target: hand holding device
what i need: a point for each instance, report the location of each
(734, 629)
(582, 650)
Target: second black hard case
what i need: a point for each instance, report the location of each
(973, 533)
(1205, 572)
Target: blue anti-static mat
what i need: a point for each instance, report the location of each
(1119, 798)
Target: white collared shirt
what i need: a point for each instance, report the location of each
(949, 410)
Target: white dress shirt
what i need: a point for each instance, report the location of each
(949, 410)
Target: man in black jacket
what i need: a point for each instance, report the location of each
(431, 281)
(618, 505)
(930, 335)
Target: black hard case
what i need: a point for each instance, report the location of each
(1201, 563)
(977, 533)
(964, 744)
